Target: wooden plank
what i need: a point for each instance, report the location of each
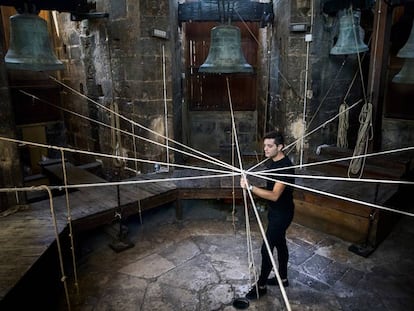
(350, 227)
(211, 193)
(160, 199)
(75, 175)
(209, 11)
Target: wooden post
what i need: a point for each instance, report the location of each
(378, 66)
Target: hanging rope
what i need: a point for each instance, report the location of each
(205, 157)
(48, 189)
(307, 134)
(343, 125)
(69, 222)
(233, 192)
(365, 134)
(250, 254)
(343, 121)
(262, 231)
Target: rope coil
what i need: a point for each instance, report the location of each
(365, 134)
(343, 125)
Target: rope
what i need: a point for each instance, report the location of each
(233, 192)
(327, 92)
(343, 125)
(144, 181)
(55, 226)
(250, 255)
(350, 158)
(215, 161)
(69, 221)
(106, 155)
(56, 231)
(364, 135)
(167, 149)
(275, 270)
(365, 132)
(374, 62)
(305, 89)
(198, 168)
(336, 178)
(269, 250)
(134, 147)
(205, 157)
(62, 269)
(260, 45)
(333, 195)
(359, 58)
(309, 133)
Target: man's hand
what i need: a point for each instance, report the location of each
(244, 183)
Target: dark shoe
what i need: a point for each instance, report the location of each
(252, 294)
(273, 281)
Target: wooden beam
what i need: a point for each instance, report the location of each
(248, 11)
(377, 78)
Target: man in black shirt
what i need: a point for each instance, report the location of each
(279, 195)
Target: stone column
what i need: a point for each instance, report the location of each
(93, 90)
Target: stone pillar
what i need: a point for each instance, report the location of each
(93, 90)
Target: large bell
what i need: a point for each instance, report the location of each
(30, 47)
(225, 54)
(350, 38)
(406, 74)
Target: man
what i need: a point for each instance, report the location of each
(280, 212)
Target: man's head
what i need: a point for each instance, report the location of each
(277, 136)
(273, 144)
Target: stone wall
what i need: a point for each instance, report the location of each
(211, 132)
(124, 68)
(118, 62)
(288, 65)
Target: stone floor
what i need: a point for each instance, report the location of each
(200, 263)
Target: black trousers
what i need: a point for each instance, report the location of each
(276, 237)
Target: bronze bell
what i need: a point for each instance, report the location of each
(30, 47)
(349, 38)
(225, 54)
(406, 74)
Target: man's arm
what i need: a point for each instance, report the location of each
(272, 195)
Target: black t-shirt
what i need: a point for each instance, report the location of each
(285, 201)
